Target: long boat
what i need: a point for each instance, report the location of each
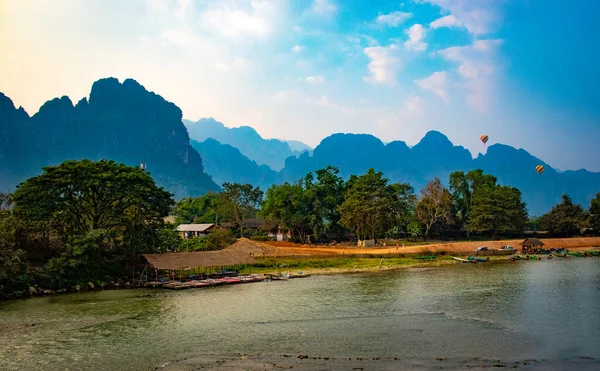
(578, 254)
(461, 260)
(481, 260)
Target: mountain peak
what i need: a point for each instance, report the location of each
(436, 138)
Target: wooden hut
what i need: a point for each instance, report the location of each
(530, 245)
(182, 261)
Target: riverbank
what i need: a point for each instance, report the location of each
(459, 247)
(297, 362)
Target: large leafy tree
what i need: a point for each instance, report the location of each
(103, 206)
(287, 206)
(239, 202)
(595, 213)
(435, 206)
(323, 198)
(497, 209)
(201, 209)
(12, 258)
(463, 187)
(371, 204)
(566, 218)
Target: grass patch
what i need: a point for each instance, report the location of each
(335, 264)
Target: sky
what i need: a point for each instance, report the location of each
(524, 72)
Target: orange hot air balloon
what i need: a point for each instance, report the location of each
(484, 138)
(539, 169)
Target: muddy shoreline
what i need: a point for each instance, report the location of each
(313, 362)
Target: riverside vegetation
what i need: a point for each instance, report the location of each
(79, 224)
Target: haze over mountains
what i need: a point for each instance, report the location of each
(270, 152)
(126, 123)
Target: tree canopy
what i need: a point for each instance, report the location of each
(435, 205)
(497, 209)
(566, 218)
(371, 204)
(237, 202)
(595, 213)
(100, 215)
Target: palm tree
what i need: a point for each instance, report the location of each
(414, 230)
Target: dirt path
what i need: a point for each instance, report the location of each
(292, 249)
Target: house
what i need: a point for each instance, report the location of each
(531, 245)
(280, 234)
(194, 230)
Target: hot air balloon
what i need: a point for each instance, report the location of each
(484, 138)
(539, 169)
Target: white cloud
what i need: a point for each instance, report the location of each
(234, 22)
(479, 17)
(384, 64)
(297, 48)
(476, 67)
(416, 34)
(437, 83)
(394, 19)
(412, 106)
(323, 7)
(447, 21)
(315, 79)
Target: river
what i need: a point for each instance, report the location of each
(544, 313)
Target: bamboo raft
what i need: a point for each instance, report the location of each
(177, 285)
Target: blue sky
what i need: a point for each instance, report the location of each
(522, 71)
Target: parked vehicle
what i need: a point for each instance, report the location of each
(482, 248)
(507, 248)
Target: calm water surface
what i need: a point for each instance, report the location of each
(544, 310)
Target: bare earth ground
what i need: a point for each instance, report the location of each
(283, 249)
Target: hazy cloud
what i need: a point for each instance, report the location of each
(384, 66)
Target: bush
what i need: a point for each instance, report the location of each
(218, 239)
(193, 244)
(426, 252)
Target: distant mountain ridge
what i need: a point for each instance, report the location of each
(126, 123)
(121, 121)
(270, 152)
(434, 156)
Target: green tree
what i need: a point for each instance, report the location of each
(435, 206)
(324, 197)
(12, 259)
(595, 213)
(371, 205)
(239, 202)
(201, 209)
(497, 209)
(565, 218)
(77, 197)
(462, 187)
(104, 214)
(414, 230)
(287, 206)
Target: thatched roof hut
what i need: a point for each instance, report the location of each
(188, 260)
(532, 242)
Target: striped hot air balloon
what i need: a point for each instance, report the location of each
(484, 138)
(539, 169)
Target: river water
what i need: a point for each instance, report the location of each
(511, 312)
